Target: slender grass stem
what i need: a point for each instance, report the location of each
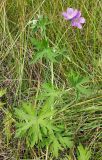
(52, 74)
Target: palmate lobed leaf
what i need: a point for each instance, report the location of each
(40, 129)
(42, 51)
(77, 82)
(31, 122)
(76, 79)
(46, 53)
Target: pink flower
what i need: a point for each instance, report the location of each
(75, 17)
(70, 13)
(77, 22)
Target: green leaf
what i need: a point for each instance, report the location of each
(31, 123)
(55, 147)
(49, 91)
(77, 82)
(83, 153)
(28, 108)
(20, 113)
(42, 50)
(66, 141)
(49, 54)
(39, 44)
(38, 128)
(37, 57)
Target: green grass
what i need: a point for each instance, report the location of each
(77, 50)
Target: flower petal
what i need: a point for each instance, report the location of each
(74, 14)
(78, 14)
(71, 13)
(79, 26)
(70, 10)
(65, 15)
(82, 20)
(76, 24)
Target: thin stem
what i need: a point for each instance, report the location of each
(62, 36)
(52, 74)
(46, 153)
(52, 80)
